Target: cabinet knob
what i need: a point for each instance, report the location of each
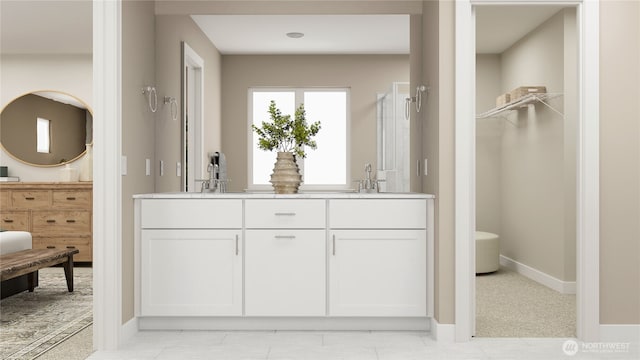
(51, 221)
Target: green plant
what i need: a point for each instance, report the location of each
(286, 134)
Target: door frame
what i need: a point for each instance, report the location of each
(587, 215)
(191, 61)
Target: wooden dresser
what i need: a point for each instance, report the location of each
(58, 214)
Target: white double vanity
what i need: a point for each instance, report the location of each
(263, 261)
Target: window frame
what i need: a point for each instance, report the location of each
(299, 98)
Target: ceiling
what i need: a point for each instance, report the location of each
(46, 27)
(323, 34)
(65, 27)
(499, 27)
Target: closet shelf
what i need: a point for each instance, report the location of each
(521, 103)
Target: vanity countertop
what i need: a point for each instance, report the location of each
(267, 195)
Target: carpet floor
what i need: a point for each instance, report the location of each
(511, 305)
(32, 323)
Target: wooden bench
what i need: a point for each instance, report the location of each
(30, 261)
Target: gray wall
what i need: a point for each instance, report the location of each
(619, 162)
(365, 75)
(171, 30)
(138, 126)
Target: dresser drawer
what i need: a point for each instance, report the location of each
(64, 222)
(72, 199)
(31, 199)
(81, 243)
(285, 214)
(5, 200)
(191, 214)
(378, 214)
(14, 220)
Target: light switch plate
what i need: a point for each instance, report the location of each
(123, 165)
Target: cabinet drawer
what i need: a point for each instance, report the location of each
(15, 220)
(285, 213)
(61, 222)
(81, 243)
(5, 200)
(191, 214)
(71, 199)
(31, 199)
(378, 214)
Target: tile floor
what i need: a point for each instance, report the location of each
(356, 345)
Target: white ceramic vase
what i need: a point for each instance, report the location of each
(286, 176)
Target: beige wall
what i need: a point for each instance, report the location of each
(488, 145)
(438, 144)
(171, 30)
(365, 75)
(138, 125)
(22, 74)
(619, 162)
(533, 159)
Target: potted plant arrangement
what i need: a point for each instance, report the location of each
(289, 137)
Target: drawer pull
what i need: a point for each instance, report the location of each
(237, 248)
(71, 221)
(51, 221)
(71, 198)
(50, 247)
(29, 198)
(285, 214)
(70, 247)
(8, 220)
(285, 237)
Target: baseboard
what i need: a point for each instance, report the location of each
(284, 323)
(563, 287)
(443, 332)
(620, 333)
(128, 330)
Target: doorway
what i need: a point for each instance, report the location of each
(192, 118)
(526, 106)
(586, 169)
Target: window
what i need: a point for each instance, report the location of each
(43, 136)
(323, 168)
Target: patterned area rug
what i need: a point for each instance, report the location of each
(32, 323)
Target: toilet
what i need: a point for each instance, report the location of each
(487, 252)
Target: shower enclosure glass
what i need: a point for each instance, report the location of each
(393, 139)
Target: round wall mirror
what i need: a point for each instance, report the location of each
(46, 128)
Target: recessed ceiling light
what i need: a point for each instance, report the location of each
(295, 35)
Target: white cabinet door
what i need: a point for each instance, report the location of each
(191, 272)
(377, 273)
(285, 273)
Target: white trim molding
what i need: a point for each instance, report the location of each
(587, 205)
(107, 183)
(443, 333)
(561, 286)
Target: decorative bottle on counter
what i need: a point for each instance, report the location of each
(86, 172)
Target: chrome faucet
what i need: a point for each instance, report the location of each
(369, 184)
